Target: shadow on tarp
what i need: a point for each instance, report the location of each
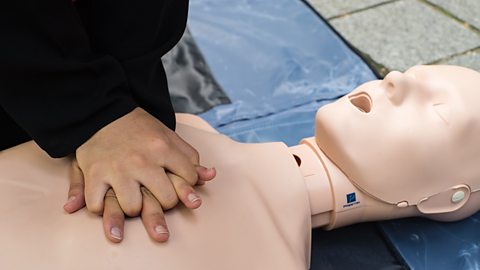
(193, 89)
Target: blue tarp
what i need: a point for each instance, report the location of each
(426, 244)
(277, 62)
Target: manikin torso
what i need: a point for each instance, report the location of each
(257, 214)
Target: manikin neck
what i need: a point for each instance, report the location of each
(334, 200)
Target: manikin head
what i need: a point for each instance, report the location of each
(409, 136)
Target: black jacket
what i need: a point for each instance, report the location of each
(67, 68)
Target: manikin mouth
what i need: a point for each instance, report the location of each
(361, 101)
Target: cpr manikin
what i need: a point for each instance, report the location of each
(404, 146)
(408, 145)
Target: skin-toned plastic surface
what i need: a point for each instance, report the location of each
(453, 92)
(334, 200)
(410, 137)
(255, 215)
(318, 184)
(194, 121)
(258, 212)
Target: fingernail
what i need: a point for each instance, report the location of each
(211, 170)
(160, 229)
(116, 233)
(192, 197)
(204, 168)
(70, 199)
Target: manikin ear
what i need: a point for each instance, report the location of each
(446, 201)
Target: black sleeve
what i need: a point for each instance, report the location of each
(52, 84)
(138, 34)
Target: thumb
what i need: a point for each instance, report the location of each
(76, 195)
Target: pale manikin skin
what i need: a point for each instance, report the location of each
(420, 134)
(259, 211)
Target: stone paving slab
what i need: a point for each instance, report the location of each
(469, 59)
(466, 10)
(329, 8)
(404, 33)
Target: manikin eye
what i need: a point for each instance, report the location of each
(443, 111)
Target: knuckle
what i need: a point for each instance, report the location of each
(188, 178)
(95, 208)
(160, 144)
(132, 209)
(137, 160)
(169, 202)
(95, 171)
(131, 212)
(192, 176)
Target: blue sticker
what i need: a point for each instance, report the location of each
(351, 197)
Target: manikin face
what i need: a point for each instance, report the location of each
(408, 136)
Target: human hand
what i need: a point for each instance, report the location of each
(113, 216)
(137, 150)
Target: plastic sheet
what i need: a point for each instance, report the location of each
(426, 244)
(277, 61)
(360, 246)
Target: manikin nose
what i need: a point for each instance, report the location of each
(399, 86)
(396, 85)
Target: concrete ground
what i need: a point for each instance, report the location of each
(397, 34)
